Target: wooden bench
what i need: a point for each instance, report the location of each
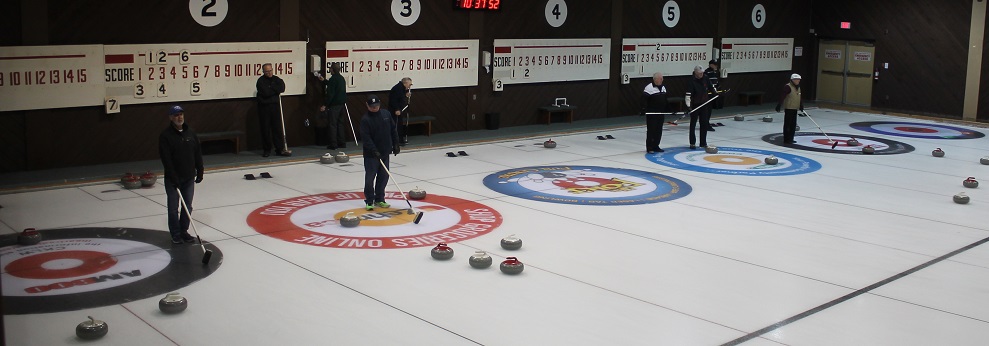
(548, 111)
(233, 136)
(745, 97)
(676, 104)
(423, 120)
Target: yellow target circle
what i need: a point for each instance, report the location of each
(732, 160)
(379, 216)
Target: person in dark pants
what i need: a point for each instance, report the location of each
(699, 91)
(654, 101)
(712, 73)
(269, 114)
(398, 102)
(335, 96)
(380, 137)
(178, 147)
(791, 101)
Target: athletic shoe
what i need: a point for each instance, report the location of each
(660, 150)
(650, 152)
(369, 207)
(176, 240)
(693, 146)
(186, 237)
(382, 205)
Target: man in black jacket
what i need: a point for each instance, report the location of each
(380, 138)
(178, 147)
(712, 73)
(654, 101)
(398, 103)
(699, 91)
(269, 112)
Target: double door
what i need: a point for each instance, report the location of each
(844, 73)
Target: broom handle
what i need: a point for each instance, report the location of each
(382, 162)
(282, 114)
(351, 124)
(185, 208)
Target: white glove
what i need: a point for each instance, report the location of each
(686, 99)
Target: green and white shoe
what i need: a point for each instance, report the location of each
(382, 205)
(369, 207)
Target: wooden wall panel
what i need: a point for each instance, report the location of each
(983, 112)
(518, 104)
(925, 43)
(10, 24)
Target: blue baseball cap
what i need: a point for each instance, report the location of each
(176, 109)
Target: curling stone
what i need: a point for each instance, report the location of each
(970, 183)
(549, 144)
(327, 159)
(350, 220)
(132, 182)
(711, 150)
(961, 198)
(417, 193)
(739, 118)
(852, 142)
(173, 303)
(512, 266)
(341, 157)
(768, 118)
(480, 260)
(868, 149)
(148, 179)
(984, 160)
(511, 243)
(938, 152)
(442, 252)
(126, 176)
(29, 237)
(92, 329)
(772, 160)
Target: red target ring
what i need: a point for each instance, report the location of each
(32, 267)
(915, 129)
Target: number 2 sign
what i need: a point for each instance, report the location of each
(208, 13)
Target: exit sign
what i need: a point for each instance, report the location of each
(846, 25)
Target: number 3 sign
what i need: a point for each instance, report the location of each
(208, 13)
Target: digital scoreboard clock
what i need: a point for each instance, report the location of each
(487, 5)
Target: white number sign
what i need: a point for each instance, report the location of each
(758, 16)
(556, 12)
(671, 14)
(208, 13)
(405, 12)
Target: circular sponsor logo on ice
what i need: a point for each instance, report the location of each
(315, 220)
(735, 161)
(80, 268)
(818, 142)
(917, 130)
(587, 185)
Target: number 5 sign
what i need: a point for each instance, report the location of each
(208, 13)
(671, 14)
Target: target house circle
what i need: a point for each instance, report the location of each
(587, 185)
(314, 220)
(81, 268)
(735, 161)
